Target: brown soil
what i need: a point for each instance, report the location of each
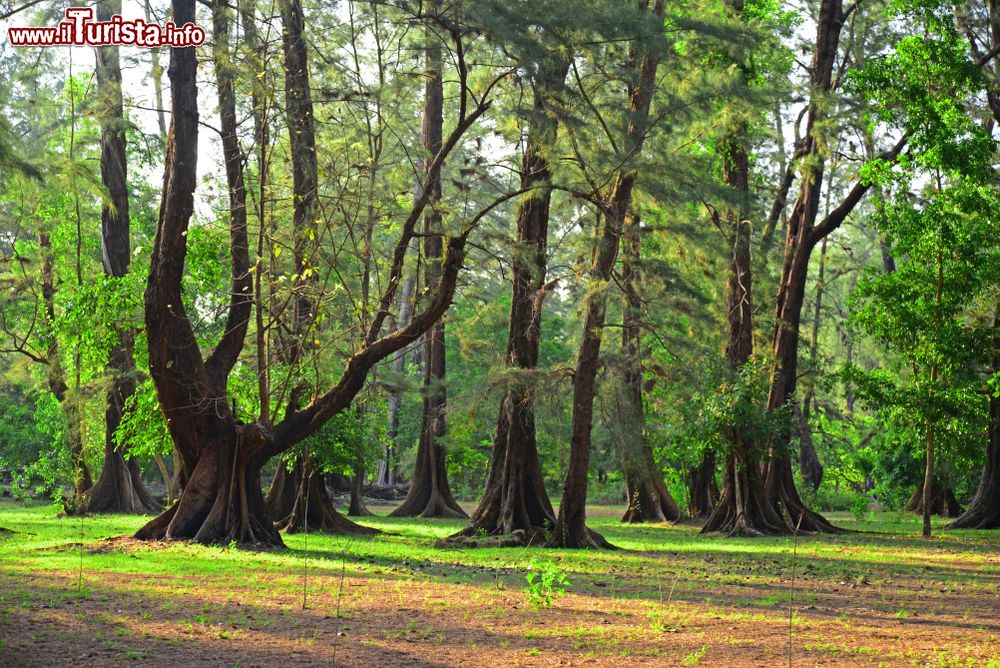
(385, 620)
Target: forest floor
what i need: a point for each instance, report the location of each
(69, 595)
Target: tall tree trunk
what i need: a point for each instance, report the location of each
(802, 235)
(387, 468)
(984, 511)
(299, 499)
(571, 524)
(515, 497)
(119, 489)
(429, 494)
(358, 507)
(646, 495)
(302, 142)
(222, 500)
(743, 508)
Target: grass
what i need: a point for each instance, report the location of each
(670, 596)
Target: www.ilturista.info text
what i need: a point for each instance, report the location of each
(79, 29)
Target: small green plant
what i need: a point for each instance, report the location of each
(693, 658)
(545, 584)
(902, 614)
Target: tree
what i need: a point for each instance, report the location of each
(222, 499)
(941, 239)
(119, 489)
(429, 494)
(984, 510)
(741, 509)
(571, 529)
(515, 498)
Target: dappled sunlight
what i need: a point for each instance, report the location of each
(397, 600)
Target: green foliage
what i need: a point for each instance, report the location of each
(546, 583)
(34, 460)
(143, 429)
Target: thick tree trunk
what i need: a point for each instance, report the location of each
(809, 465)
(119, 489)
(984, 511)
(430, 494)
(743, 508)
(299, 504)
(280, 498)
(703, 489)
(802, 236)
(571, 525)
(940, 499)
(302, 141)
(222, 500)
(515, 496)
(646, 495)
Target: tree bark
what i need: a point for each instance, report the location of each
(743, 508)
(515, 497)
(703, 489)
(571, 526)
(984, 511)
(302, 143)
(939, 498)
(387, 468)
(809, 465)
(646, 495)
(802, 235)
(222, 500)
(119, 488)
(299, 501)
(429, 494)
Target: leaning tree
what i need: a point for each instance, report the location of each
(222, 500)
(571, 529)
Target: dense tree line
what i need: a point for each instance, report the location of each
(736, 262)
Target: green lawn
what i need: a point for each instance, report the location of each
(669, 597)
